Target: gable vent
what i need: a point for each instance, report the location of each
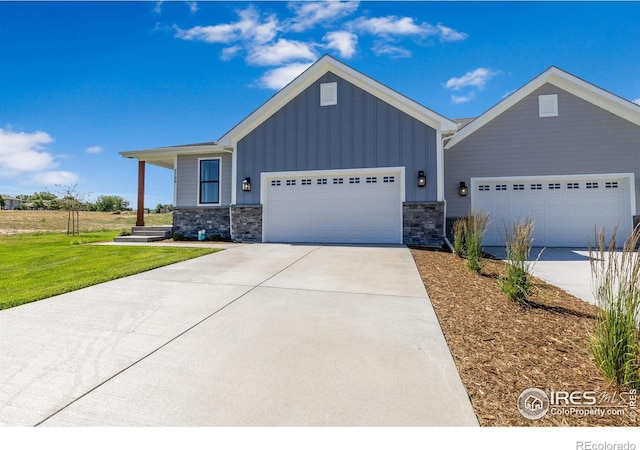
(548, 105)
(328, 94)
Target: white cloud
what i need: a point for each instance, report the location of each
(309, 14)
(158, 8)
(227, 54)
(280, 52)
(193, 7)
(386, 49)
(405, 26)
(391, 25)
(637, 101)
(93, 149)
(51, 178)
(462, 98)
(24, 152)
(250, 26)
(342, 41)
(449, 34)
(478, 79)
(280, 77)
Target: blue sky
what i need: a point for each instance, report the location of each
(82, 81)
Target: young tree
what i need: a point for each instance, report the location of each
(1, 202)
(72, 201)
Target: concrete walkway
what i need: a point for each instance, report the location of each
(256, 335)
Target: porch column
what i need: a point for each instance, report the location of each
(140, 215)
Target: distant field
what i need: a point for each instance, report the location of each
(18, 222)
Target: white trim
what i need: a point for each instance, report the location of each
(265, 176)
(565, 81)
(234, 175)
(175, 180)
(439, 167)
(219, 182)
(311, 75)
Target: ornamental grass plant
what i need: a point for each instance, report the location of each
(615, 273)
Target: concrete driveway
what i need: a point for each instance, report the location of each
(567, 268)
(256, 335)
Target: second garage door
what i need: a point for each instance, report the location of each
(566, 210)
(363, 206)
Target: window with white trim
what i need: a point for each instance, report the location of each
(209, 182)
(484, 187)
(291, 182)
(501, 187)
(275, 182)
(390, 179)
(306, 182)
(354, 180)
(372, 179)
(321, 181)
(536, 187)
(338, 180)
(592, 185)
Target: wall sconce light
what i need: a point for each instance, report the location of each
(422, 180)
(246, 184)
(463, 190)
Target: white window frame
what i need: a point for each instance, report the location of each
(219, 181)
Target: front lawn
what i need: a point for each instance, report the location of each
(33, 267)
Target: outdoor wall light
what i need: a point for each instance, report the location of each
(246, 184)
(463, 190)
(422, 180)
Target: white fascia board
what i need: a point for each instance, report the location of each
(565, 81)
(165, 156)
(311, 75)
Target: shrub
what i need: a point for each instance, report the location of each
(517, 282)
(475, 228)
(459, 229)
(615, 341)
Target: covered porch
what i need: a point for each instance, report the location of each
(165, 157)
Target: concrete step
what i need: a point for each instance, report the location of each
(154, 228)
(138, 238)
(163, 234)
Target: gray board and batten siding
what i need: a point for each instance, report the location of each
(187, 179)
(582, 139)
(361, 131)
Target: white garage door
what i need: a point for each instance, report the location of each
(363, 206)
(566, 210)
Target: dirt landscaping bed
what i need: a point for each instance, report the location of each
(501, 349)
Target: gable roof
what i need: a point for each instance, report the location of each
(311, 75)
(564, 80)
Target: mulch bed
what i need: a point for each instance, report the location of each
(501, 349)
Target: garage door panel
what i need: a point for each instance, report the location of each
(362, 208)
(566, 210)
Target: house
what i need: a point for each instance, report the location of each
(559, 149)
(11, 202)
(334, 156)
(337, 157)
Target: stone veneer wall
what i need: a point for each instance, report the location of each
(246, 223)
(423, 224)
(214, 220)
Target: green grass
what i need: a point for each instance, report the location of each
(37, 266)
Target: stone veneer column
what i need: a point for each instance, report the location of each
(423, 224)
(246, 223)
